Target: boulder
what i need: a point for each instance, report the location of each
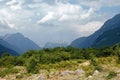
(65, 73)
(96, 72)
(79, 71)
(89, 77)
(42, 77)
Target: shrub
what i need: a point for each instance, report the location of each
(99, 68)
(8, 71)
(94, 62)
(31, 66)
(88, 69)
(19, 76)
(118, 60)
(111, 74)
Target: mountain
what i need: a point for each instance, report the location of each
(108, 25)
(108, 38)
(9, 46)
(76, 43)
(6, 48)
(22, 43)
(53, 45)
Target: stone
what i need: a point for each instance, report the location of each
(96, 72)
(79, 71)
(67, 73)
(42, 77)
(90, 77)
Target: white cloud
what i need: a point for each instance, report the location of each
(10, 25)
(6, 18)
(88, 28)
(16, 7)
(87, 14)
(11, 2)
(97, 4)
(61, 12)
(15, 4)
(48, 17)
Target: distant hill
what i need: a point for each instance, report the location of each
(5, 49)
(22, 43)
(9, 46)
(53, 45)
(91, 40)
(76, 43)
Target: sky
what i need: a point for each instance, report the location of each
(55, 20)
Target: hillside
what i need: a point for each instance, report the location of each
(19, 41)
(108, 38)
(76, 43)
(5, 46)
(108, 25)
(7, 50)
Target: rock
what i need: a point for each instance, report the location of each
(90, 77)
(67, 73)
(118, 74)
(2, 79)
(87, 63)
(96, 72)
(79, 71)
(42, 77)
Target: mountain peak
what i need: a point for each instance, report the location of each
(17, 35)
(21, 42)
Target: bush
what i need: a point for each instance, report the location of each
(99, 68)
(8, 61)
(19, 76)
(88, 70)
(94, 62)
(111, 74)
(118, 60)
(31, 66)
(65, 55)
(8, 71)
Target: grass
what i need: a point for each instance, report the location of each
(105, 65)
(69, 64)
(8, 71)
(111, 74)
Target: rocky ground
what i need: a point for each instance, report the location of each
(77, 74)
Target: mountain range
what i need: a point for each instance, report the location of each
(107, 35)
(18, 43)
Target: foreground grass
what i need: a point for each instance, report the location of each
(107, 66)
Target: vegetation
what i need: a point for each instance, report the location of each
(111, 74)
(8, 71)
(60, 58)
